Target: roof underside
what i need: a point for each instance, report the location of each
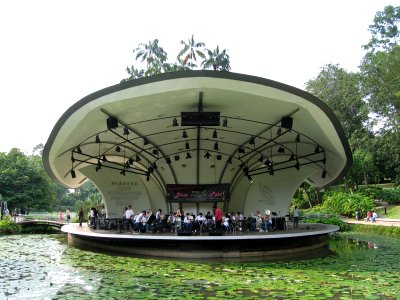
(249, 139)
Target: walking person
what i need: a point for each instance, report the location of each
(218, 217)
(295, 217)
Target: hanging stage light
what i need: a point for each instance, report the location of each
(207, 155)
(176, 157)
(317, 149)
(188, 155)
(130, 161)
(267, 162)
(216, 146)
(184, 134)
(219, 157)
(99, 164)
(279, 131)
(225, 123)
(252, 140)
(281, 150)
(72, 158)
(126, 131)
(292, 157)
(323, 173)
(122, 172)
(78, 149)
(167, 160)
(241, 150)
(117, 149)
(154, 166)
(271, 172)
(73, 175)
(298, 138)
(127, 166)
(155, 151)
(138, 158)
(175, 122)
(297, 165)
(104, 158)
(97, 139)
(215, 135)
(229, 161)
(187, 146)
(145, 141)
(261, 159)
(148, 177)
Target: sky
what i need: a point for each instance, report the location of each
(53, 53)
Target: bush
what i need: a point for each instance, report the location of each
(332, 220)
(345, 203)
(7, 226)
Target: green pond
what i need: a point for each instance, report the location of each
(44, 267)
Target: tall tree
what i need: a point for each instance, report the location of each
(153, 54)
(218, 61)
(341, 91)
(385, 29)
(187, 56)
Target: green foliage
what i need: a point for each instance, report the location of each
(392, 196)
(7, 226)
(39, 229)
(332, 220)
(344, 203)
(24, 182)
(393, 231)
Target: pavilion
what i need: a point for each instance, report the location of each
(193, 139)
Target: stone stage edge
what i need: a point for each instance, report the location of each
(308, 237)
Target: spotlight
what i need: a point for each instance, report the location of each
(291, 157)
(145, 141)
(73, 175)
(138, 158)
(287, 122)
(117, 149)
(130, 161)
(242, 165)
(207, 155)
(279, 131)
(72, 158)
(148, 177)
(317, 149)
(249, 178)
(252, 140)
(271, 172)
(323, 173)
(176, 157)
(99, 164)
(122, 172)
(150, 170)
(297, 165)
(167, 160)
(324, 159)
(229, 160)
(175, 122)
(267, 162)
(216, 146)
(184, 134)
(246, 170)
(281, 150)
(219, 157)
(215, 135)
(225, 123)
(155, 151)
(126, 131)
(78, 149)
(97, 139)
(127, 166)
(261, 159)
(97, 169)
(241, 150)
(104, 158)
(187, 146)
(154, 166)
(298, 138)
(188, 155)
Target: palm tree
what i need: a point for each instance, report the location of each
(154, 55)
(187, 56)
(219, 61)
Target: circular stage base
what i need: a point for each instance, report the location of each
(306, 238)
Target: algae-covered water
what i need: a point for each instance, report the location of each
(44, 267)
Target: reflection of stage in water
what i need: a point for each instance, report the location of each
(240, 245)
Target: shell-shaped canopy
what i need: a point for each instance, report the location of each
(199, 127)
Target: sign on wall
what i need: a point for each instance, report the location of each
(197, 192)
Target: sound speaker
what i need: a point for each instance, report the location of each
(112, 123)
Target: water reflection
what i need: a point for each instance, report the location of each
(44, 267)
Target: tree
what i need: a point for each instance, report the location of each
(187, 56)
(23, 181)
(153, 54)
(341, 91)
(384, 30)
(219, 61)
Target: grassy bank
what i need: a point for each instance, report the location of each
(392, 231)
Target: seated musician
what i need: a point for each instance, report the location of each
(266, 224)
(226, 222)
(198, 222)
(187, 222)
(138, 226)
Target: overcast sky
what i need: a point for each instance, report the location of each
(53, 53)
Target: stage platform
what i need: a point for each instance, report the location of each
(307, 237)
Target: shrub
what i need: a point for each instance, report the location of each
(345, 203)
(332, 220)
(7, 226)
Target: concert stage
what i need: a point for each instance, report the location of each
(236, 245)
